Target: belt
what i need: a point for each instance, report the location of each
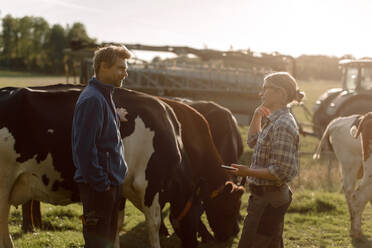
(261, 189)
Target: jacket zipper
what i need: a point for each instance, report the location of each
(108, 163)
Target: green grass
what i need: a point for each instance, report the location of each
(24, 79)
(315, 219)
(318, 216)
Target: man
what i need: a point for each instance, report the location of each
(97, 148)
(274, 163)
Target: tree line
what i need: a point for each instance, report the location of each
(32, 44)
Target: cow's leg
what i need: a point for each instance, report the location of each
(349, 187)
(31, 216)
(5, 238)
(6, 182)
(204, 233)
(27, 225)
(120, 223)
(152, 214)
(360, 197)
(163, 231)
(349, 179)
(359, 200)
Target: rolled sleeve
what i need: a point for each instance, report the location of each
(283, 163)
(87, 126)
(252, 140)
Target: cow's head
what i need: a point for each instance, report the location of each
(185, 216)
(222, 207)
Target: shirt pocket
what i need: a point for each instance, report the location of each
(263, 152)
(263, 147)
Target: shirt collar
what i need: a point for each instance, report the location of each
(278, 113)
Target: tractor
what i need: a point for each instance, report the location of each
(355, 96)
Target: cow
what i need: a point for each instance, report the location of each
(362, 127)
(205, 162)
(36, 160)
(339, 137)
(226, 137)
(224, 128)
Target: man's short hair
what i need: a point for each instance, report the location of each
(109, 54)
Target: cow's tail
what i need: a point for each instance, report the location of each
(325, 138)
(356, 127)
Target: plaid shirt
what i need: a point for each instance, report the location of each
(276, 148)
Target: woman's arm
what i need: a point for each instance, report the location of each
(243, 171)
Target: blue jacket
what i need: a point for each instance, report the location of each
(97, 148)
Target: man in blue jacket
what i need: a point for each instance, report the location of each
(97, 148)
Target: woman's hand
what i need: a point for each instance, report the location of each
(255, 126)
(262, 111)
(241, 170)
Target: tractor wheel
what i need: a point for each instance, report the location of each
(357, 106)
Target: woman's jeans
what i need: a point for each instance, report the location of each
(263, 225)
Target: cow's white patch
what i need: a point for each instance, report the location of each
(50, 131)
(153, 221)
(10, 170)
(122, 112)
(138, 149)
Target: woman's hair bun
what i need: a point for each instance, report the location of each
(299, 95)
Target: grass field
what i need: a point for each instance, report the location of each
(318, 216)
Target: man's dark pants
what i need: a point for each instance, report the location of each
(263, 225)
(100, 215)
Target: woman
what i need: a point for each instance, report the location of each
(274, 135)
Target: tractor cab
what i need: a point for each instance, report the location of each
(355, 96)
(357, 75)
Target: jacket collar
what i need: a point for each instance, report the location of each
(104, 88)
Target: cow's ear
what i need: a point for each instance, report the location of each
(229, 187)
(240, 190)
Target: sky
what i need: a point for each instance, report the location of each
(291, 27)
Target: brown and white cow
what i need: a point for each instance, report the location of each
(36, 161)
(363, 193)
(348, 150)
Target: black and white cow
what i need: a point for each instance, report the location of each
(36, 161)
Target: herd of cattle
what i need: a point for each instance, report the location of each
(173, 148)
(171, 156)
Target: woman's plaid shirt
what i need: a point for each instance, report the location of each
(276, 148)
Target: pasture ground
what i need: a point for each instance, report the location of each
(318, 216)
